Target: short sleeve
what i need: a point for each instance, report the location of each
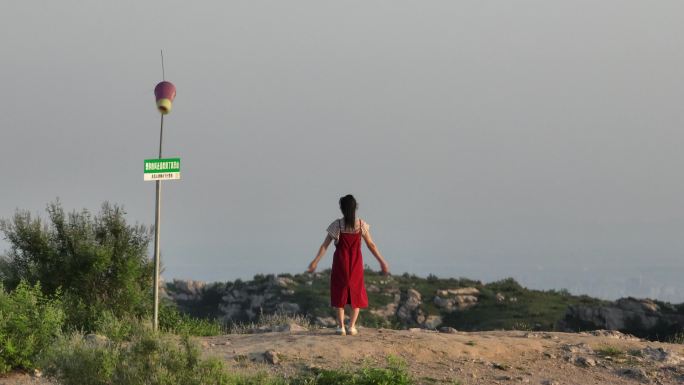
(334, 230)
(365, 227)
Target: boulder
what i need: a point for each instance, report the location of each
(271, 356)
(409, 312)
(662, 356)
(464, 291)
(432, 322)
(447, 304)
(290, 327)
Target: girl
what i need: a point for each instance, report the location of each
(346, 279)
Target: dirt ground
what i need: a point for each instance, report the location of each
(492, 357)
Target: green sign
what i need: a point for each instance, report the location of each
(162, 169)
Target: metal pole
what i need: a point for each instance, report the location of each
(157, 222)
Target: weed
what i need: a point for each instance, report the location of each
(609, 351)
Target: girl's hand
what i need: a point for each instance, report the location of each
(384, 267)
(312, 267)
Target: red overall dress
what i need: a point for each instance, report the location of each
(346, 279)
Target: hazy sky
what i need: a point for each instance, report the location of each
(537, 139)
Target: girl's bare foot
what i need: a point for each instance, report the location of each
(341, 331)
(353, 331)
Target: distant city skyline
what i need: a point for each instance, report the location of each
(533, 139)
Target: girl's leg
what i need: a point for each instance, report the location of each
(354, 316)
(340, 317)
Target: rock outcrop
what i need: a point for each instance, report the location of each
(451, 300)
(409, 312)
(641, 317)
(183, 290)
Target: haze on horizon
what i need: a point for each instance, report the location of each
(535, 139)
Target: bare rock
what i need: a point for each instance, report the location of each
(184, 290)
(432, 321)
(663, 356)
(271, 356)
(580, 348)
(291, 328)
(627, 314)
(448, 330)
(465, 301)
(614, 334)
(585, 361)
(465, 291)
(408, 312)
(635, 373)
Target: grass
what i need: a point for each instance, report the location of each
(159, 359)
(609, 351)
(270, 321)
(394, 374)
(173, 321)
(677, 338)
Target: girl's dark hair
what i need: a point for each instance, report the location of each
(348, 207)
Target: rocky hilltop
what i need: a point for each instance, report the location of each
(644, 317)
(431, 303)
(455, 357)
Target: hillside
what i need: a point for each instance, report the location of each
(406, 301)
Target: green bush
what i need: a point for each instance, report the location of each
(98, 261)
(121, 330)
(159, 359)
(173, 321)
(29, 321)
(149, 359)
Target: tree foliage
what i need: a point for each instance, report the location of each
(29, 321)
(98, 261)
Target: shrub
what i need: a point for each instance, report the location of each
(173, 321)
(99, 261)
(121, 330)
(150, 359)
(29, 321)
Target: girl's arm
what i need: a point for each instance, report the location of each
(374, 249)
(321, 253)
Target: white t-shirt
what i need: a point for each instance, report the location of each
(334, 228)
